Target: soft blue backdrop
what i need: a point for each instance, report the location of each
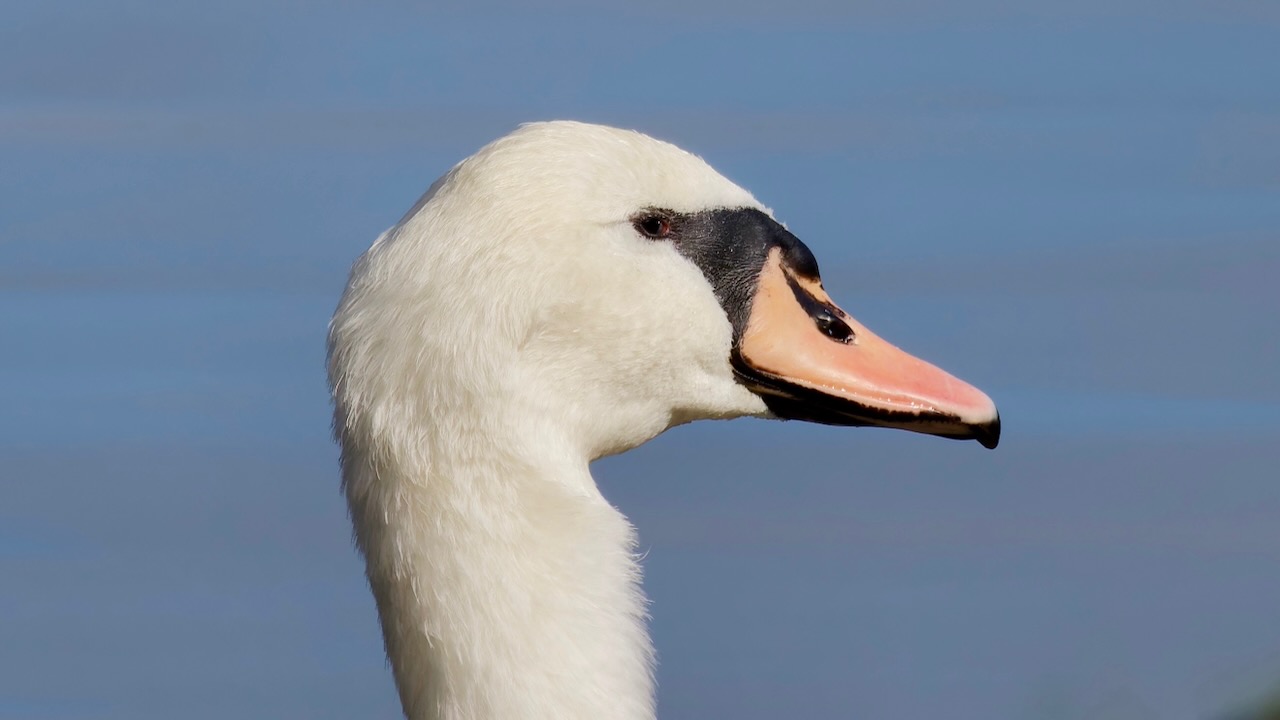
(1076, 206)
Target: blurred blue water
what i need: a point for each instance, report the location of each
(1075, 208)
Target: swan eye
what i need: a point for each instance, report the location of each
(833, 327)
(653, 226)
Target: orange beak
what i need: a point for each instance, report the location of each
(811, 361)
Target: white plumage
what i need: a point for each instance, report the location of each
(510, 329)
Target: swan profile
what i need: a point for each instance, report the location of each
(569, 292)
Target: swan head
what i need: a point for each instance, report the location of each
(595, 287)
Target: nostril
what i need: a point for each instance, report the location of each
(832, 326)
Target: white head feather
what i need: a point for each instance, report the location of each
(512, 327)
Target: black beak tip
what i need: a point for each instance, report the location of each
(988, 434)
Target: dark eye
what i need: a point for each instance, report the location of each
(653, 226)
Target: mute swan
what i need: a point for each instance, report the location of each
(569, 292)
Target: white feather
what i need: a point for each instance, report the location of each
(510, 329)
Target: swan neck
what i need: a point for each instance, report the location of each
(507, 587)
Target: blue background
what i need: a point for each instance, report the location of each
(1076, 206)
